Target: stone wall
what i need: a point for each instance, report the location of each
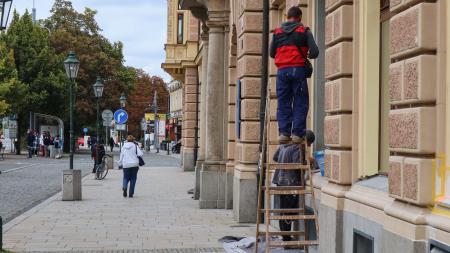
(412, 119)
(190, 116)
(338, 132)
(248, 71)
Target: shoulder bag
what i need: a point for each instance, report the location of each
(141, 160)
(308, 65)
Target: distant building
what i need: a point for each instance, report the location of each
(181, 51)
(176, 110)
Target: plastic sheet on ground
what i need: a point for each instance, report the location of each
(247, 245)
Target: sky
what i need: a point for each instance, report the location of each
(139, 24)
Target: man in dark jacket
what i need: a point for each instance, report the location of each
(291, 44)
(290, 153)
(30, 142)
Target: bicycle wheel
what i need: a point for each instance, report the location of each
(99, 175)
(105, 171)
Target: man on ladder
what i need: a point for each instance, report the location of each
(290, 46)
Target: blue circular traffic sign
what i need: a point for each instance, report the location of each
(85, 130)
(120, 116)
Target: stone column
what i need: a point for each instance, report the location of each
(212, 176)
(189, 118)
(202, 134)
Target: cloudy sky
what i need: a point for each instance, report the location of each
(139, 24)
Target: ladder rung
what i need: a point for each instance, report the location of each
(288, 166)
(286, 188)
(289, 192)
(284, 210)
(283, 233)
(292, 217)
(292, 243)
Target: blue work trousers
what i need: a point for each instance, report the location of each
(293, 101)
(130, 176)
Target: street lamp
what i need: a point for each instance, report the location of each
(71, 181)
(156, 127)
(72, 65)
(123, 101)
(5, 9)
(98, 92)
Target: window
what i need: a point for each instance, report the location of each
(180, 32)
(362, 243)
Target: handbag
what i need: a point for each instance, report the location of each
(141, 160)
(308, 66)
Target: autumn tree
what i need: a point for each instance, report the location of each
(141, 98)
(79, 32)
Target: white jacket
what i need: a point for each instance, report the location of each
(129, 155)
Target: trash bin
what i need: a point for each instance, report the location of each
(52, 150)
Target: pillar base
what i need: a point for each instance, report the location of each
(198, 169)
(245, 196)
(188, 161)
(212, 185)
(71, 185)
(229, 181)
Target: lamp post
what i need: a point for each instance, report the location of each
(123, 103)
(5, 9)
(98, 91)
(71, 178)
(156, 127)
(72, 65)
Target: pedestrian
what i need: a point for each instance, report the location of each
(291, 44)
(30, 143)
(36, 144)
(41, 144)
(129, 162)
(111, 143)
(290, 153)
(93, 144)
(58, 147)
(46, 144)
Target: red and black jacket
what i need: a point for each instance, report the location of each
(286, 43)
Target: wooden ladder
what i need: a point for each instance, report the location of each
(266, 189)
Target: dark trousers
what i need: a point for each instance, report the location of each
(30, 151)
(130, 175)
(288, 202)
(293, 101)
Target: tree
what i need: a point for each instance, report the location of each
(39, 69)
(11, 90)
(79, 32)
(141, 98)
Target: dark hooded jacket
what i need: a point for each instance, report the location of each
(288, 153)
(287, 42)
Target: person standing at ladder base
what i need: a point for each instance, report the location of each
(292, 43)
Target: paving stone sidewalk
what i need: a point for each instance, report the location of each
(161, 217)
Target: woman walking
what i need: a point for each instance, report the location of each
(129, 162)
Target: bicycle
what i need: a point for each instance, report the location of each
(101, 170)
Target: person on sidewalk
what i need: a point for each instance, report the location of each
(129, 162)
(290, 153)
(30, 143)
(290, 46)
(111, 143)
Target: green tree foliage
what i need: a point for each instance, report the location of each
(11, 90)
(79, 32)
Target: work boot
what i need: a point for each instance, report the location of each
(283, 139)
(297, 139)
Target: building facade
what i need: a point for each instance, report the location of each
(181, 51)
(379, 104)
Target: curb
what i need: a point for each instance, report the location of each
(21, 218)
